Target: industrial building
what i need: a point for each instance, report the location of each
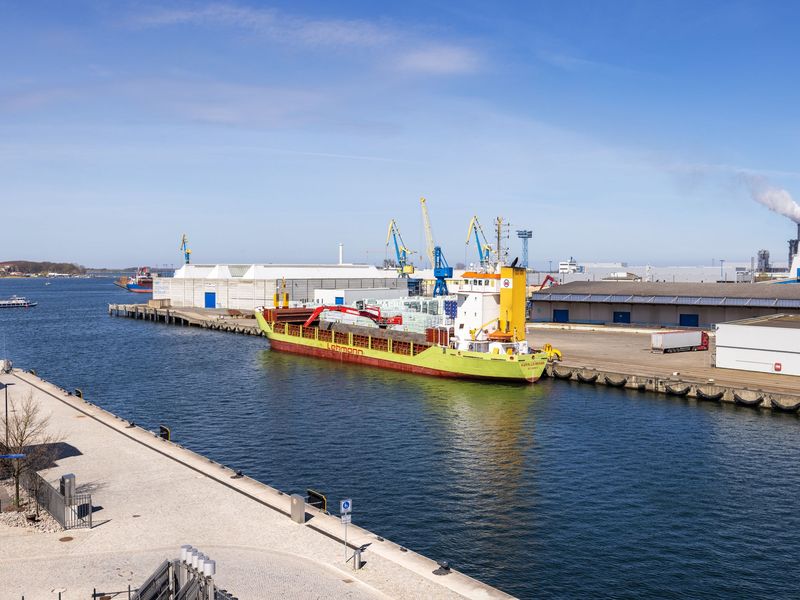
(353, 295)
(245, 287)
(764, 344)
(662, 304)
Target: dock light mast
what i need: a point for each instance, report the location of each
(441, 270)
(185, 249)
(524, 235)
(484, 248)
(404, 266)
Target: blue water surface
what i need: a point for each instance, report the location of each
(557, 490)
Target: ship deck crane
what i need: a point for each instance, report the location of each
(185, 249)
(404, 267)
(484, 248)
(370, 312)
(441, 270)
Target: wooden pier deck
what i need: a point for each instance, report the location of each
(216, 319)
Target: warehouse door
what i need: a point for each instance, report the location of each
(689, 320)
(560, 315)
(211, 300)
(622, 316)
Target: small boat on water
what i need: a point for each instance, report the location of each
(17, 302)
(141, 283)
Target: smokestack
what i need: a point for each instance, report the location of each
(793, 247)
(341, 253)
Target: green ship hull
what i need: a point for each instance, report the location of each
(381, 349)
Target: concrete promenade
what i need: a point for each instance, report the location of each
(151, 496)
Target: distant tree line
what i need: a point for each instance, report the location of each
(29, 267)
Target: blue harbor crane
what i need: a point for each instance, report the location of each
(185, 249)
(402, 253)
(441, 270)
(484, 248)
(524, 235)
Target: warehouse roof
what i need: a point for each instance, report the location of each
(279, 271)
(779, 321)
(703, 294)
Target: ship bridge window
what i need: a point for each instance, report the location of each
(485, 282)
(474, 282)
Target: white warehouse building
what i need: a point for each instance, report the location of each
(768, 344)
(245, 287)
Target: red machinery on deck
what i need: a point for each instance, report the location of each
(370, 312)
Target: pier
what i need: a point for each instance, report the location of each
(150, 496)
(593, 355)
(218, 319)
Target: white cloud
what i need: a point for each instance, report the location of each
(295, 30)
(440, 59)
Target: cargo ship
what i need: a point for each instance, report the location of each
(141, 283)
(487, 341)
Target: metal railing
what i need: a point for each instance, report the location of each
(160, 585)
(72, 513)
(187, 578)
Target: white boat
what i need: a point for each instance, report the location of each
(17, 302)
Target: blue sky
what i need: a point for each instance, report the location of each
(273, 131)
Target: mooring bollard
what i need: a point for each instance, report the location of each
(298, 512)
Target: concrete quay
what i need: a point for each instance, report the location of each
(150, 496)
(598, 355)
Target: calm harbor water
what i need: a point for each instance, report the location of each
(550, 491)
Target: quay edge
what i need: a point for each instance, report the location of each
(393, 571)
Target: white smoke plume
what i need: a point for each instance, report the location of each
(776, 199)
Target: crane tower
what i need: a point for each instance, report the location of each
(524, 235)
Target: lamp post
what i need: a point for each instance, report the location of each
(5, 385)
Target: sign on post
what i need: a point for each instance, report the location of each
(345, 508)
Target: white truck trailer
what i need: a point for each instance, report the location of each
(678, 341)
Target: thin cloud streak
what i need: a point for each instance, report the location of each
(272, 24)
(571, 63)
(709, 168)
(440, 59)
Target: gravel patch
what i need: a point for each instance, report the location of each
(13, 518)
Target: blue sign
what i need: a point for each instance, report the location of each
(12, 456)
(346, 506)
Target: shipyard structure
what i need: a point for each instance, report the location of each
(244, 287)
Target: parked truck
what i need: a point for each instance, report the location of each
(679, 341)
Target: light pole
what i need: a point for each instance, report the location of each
(5, 385)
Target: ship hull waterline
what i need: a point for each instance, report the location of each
(435, 361)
